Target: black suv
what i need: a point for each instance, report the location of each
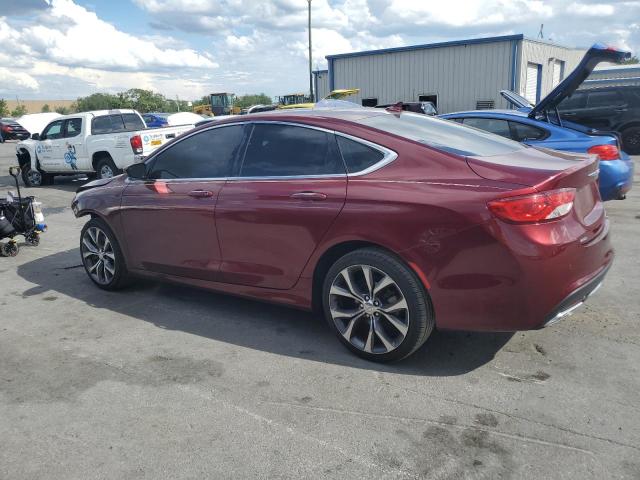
(614, 108)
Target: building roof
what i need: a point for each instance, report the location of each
(472, 41)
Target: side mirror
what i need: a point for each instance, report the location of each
(137, 171)
(35, 136)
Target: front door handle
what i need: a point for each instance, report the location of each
(200, 193)
(313, 196)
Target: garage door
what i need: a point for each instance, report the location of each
(531, 90)
(558, 70)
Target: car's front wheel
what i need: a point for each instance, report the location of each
(377, 305)
(102, 256)
(33, 177)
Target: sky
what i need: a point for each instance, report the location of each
(64, 49)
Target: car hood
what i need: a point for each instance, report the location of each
(596, 54)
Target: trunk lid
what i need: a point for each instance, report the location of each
(542, 170)
(596, 54)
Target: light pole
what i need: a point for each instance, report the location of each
(310, 58)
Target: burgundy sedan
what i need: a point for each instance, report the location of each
(390, 223)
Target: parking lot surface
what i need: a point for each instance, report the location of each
(160, 381)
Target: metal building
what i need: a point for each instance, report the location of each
(613, 75)
(458, 75)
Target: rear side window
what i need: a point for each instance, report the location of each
(577, 100)
(132, 122)
(522, 132)
(609, 98)
(285, 150)
(442, 134)
(74, 127)
(493, 125)
(107, 124)
(208, 154)
(357, 156)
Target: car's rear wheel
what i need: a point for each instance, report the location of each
(631, 140)
(377, 305)
(102, 256)
(105, 168)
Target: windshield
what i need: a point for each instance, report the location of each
(220, 100)
(443, 135)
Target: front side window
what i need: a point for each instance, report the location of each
(74, 127)
(576, 100)
(285, 150)
(357, 156)
(493, 125)
(442, 134)
(53, 130)
(207, 154)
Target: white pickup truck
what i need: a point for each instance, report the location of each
(99, 143)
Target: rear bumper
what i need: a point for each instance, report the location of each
(616, 178)
(576, 298)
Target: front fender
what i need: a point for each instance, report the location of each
(28, 146)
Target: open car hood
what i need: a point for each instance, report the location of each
(596, 54)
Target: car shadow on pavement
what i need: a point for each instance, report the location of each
(63, 183)
(248, 323)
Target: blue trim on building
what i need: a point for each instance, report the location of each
(539, 84)
(514, 64)
(472, 41)
(330, 72)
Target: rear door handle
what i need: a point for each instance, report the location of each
(200, 193)
(309, 196)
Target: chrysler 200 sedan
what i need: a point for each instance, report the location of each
(391, 223)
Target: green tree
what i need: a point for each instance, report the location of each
(632, 61)
(245, 101)
(143, 100)
(63, 110)
(19, 111)
(45, 108)
(4, 111)
(98, 101)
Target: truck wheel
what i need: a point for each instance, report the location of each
(105, 168)
(32, 177)
(631, 140)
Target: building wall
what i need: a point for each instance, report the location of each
(35, 106)
(543, 53)
(321, 86)
(460, 75)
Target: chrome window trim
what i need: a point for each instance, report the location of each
(388, 154)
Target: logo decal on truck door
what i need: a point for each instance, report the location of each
(70, 156)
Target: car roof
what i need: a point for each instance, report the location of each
(489, 113)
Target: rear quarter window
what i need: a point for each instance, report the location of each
(358, 156)
(442, 134)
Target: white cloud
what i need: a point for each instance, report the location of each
(248, 46)
(11, 81)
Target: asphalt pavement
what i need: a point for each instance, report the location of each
(160, 381)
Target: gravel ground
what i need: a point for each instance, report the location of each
(161, 381)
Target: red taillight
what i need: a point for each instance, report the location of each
(605, 152)
(536, 207)
(6, 128)
(136, 144)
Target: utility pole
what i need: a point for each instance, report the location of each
(310, 58)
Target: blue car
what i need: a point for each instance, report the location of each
(155, 120)
(541, 125)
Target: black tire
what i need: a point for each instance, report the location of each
(418, 322)
(9, 249)
(120, 277)
(631, 140)
(33, 178)
(105, 164)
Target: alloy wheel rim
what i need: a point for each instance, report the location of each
(98, 255)
(369, 309)
(106, 172)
